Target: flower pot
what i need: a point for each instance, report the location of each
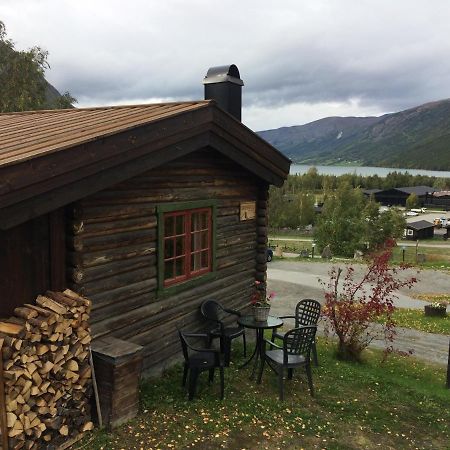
(261, 313)
(435, 312)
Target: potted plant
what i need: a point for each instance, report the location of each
(436, 309)
(260, 302)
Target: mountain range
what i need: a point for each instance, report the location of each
(417, 138)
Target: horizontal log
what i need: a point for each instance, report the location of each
(237, 239)
(231, 229)
(189, 180)
(261, 277)
(236, 260)
(261, 221)
(227, 220)
(113, 226)
(118, 280)
(82, 275)
(230, 211)
(115, 307)
(262, 240)
(102, 299)
(261, 267)
(236, 250)
(100, 213)
(118, 196)
(94, 243)
(105, 256)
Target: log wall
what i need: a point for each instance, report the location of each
(112, 250)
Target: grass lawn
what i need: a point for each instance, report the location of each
(399, 404)
(435, 257)
(416, 319)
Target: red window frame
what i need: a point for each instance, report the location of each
(185, 254)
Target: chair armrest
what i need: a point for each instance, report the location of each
(196, 349)
(233, 311)
(272, 344)
(286, 317)
(203, 350)
(196, 335)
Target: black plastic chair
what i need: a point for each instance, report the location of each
(197, 360)
(217, 315)
(307, 312)
(297, 344)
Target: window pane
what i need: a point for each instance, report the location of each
(180, 246)
(195, 222)
(169, 249)
(196, 242)
(180, 224)
(204, 220)
(168, 270)
(180, 266)
(195, 262)
(169, 223)
(205, 259)
(205, 240)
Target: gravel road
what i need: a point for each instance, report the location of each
(294, 280)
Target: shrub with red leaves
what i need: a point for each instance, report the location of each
(353, 305)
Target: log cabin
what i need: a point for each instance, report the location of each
(147, 210)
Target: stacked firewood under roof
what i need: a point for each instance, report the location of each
(46, 371)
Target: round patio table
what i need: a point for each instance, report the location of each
(258, 353)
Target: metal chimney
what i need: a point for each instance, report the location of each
(223, 84)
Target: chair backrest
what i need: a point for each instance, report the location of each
(298, 341)
(307, 312)
(184, 346)
(212, 310)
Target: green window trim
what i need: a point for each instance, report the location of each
(161, 209)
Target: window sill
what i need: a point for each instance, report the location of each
(185, 285)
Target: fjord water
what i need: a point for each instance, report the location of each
(365, 171)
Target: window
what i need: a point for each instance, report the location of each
(410, 232)
(186, 243)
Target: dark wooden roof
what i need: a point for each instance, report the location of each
(418, 190)
(51, 158)
(419, 225)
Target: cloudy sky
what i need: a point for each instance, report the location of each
(300, 60)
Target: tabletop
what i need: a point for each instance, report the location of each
(250, 322)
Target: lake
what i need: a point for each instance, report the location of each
(365, 171)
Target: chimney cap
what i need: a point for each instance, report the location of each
(221, 74)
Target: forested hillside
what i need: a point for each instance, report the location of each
(416, 138)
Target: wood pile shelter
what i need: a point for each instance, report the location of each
(421, 229)
(147, 210)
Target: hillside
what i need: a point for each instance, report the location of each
(415, 138)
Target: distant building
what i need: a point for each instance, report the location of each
(440, 198)
(398, 196)
(419, 230)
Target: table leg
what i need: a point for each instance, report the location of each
(258, 350)
(253, 355)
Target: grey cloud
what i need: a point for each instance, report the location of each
(389, 55)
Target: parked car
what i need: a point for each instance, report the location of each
(412, 213)
(440, 222)
(269, 254)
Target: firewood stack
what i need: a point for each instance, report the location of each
(46, 371)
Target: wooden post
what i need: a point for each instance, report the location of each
(448, 367)
(4, 429)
